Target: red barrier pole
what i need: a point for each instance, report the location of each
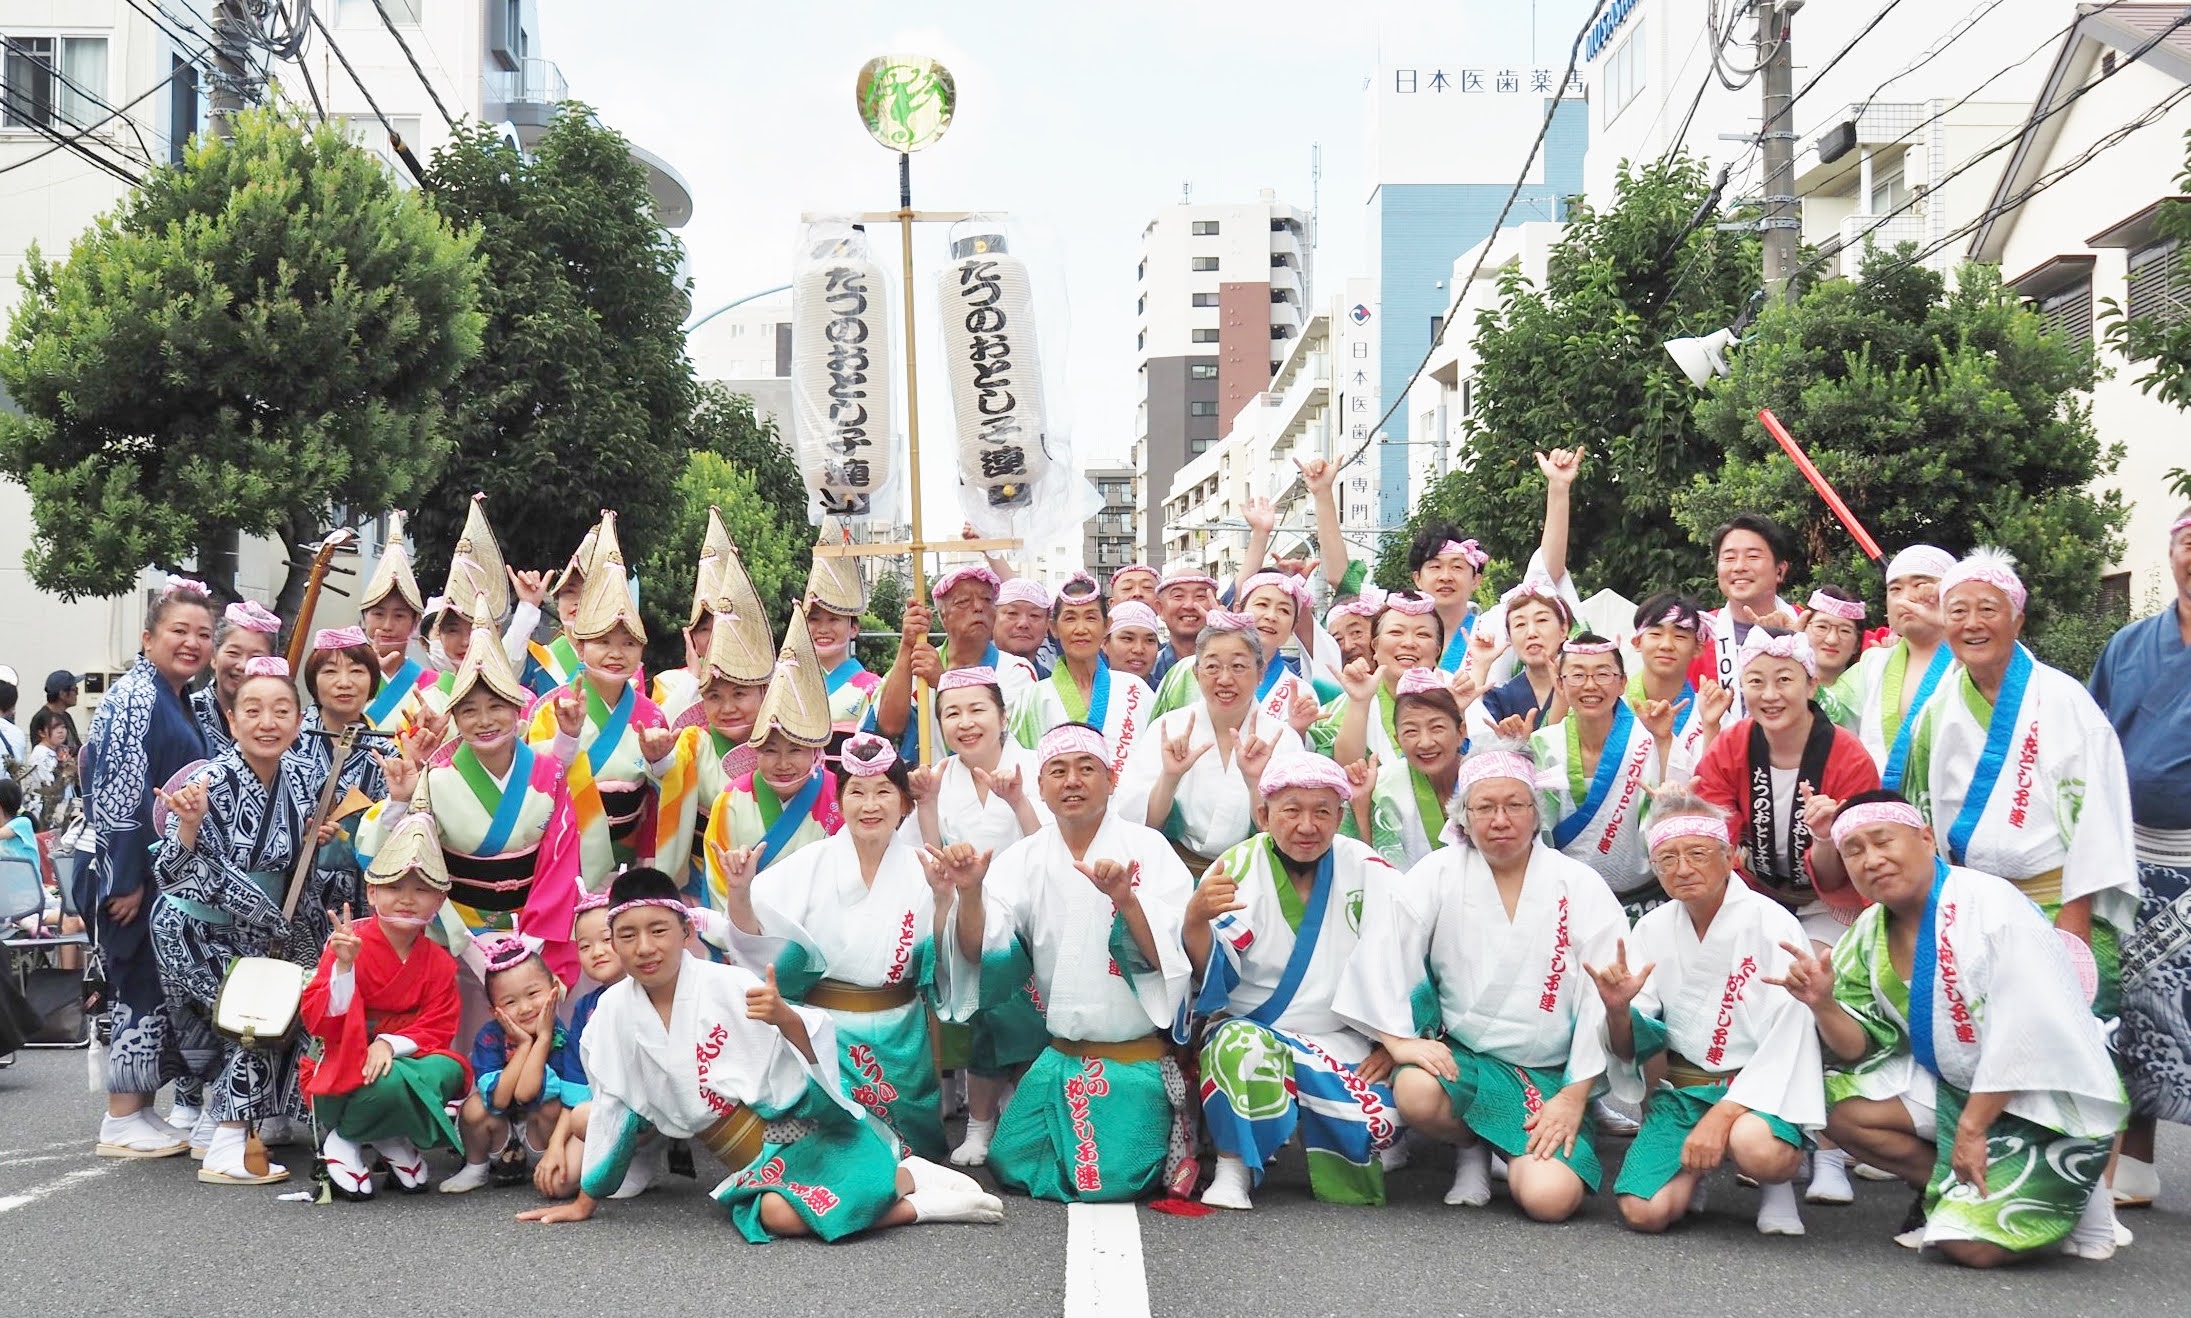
(1819, 483)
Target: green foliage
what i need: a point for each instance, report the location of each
(2073, 638)
(1950, 418)
(260, 333)
(1580, 362)
(885, 616)
(775, 556)
(582, 395)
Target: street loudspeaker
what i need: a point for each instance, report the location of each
(1836, 142)
(1703, 359)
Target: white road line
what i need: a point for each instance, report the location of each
(9, 1203)
(1104, 1277)
(41, 1157)
(75, 1143)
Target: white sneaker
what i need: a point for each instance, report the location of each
(138, 1135)
(471, 1178)
(1777, 1212)
(973, 1151)
(1911, 1239)
(1471, 1186)
(1612, 1121)
(1830, 1178)
(1230, 1185)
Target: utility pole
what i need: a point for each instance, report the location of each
(1782, 225)
(231, 52)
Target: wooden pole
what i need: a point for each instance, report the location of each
(923, 698)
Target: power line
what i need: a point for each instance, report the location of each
(344, 60)
(1574, 57)
(97, 101)
(74, 144)
(304, 68)
(423, 81)
(86, 131)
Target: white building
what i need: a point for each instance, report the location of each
(130, 91)
(746, 348)
(1220, 292)
(2072, 235)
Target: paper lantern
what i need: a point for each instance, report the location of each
(841, 371)
(987, 303)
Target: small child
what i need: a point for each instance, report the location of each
(558, 1172)
(19, 841)
(49, 773)
(527, 1067)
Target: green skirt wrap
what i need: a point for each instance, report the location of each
(1084, 1130)
(889, 1068)
(840, 1174)
(410, 1102)
(1494, 1098)
(1668, 1117)
(2037, 1181)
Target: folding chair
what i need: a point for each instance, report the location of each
(54, 996)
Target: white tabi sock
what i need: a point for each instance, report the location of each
(2136, 1182)
(2093, 1237)
(1471, 1186)
(1830, 1178)
(225, 1155)
(930, 1176)
(955, 1206)
(1230, 1185)
(346, 1166)
(471, 1178)
(1777, 1212)
(1395, 1155)
(973, 1151)
(405, 1162)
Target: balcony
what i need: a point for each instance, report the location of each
(529, 97)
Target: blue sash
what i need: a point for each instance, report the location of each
(1099, 694)
(1898, 757)
(836, 677)
(393, 691)
(1686, 702)
(1304, 941)
(2000, 730)
(512, 803)
(1601, 784)
(1923, 967)
(1270, 679)
(1456, 645)
(794, 813)
(612, 728)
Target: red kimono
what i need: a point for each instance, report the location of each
(414, 998)
(1735, 775)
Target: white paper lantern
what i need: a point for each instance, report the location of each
(988, 312)
(841, 373)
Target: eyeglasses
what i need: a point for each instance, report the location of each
(1668, 864)
(1237, 668)
(1603, 677)
(1486, 810)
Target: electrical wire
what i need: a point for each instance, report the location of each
(74, 144)
(1574, 58)
(84, 132)
(98, 102)
(304, 69)
(344, 60)
(423, 81)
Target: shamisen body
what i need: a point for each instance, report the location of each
(695, 1050)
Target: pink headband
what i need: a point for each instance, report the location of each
(2179, 526)
(338, 638)
(1920, 561)
(248, 615)
(1666, 829)
(1129, 569)
(666, 903)
(866, 755)
(1079, 588)
(1416, 681)
(959, 678)
(1189, 578)
(266, 665)
(1470, 552)
(1133, 613)
(1875, 812)
(1542, 590)
(1071, 739)
(1302, 769)
(1793, 645)
(1411, 604)
(1495, 764)
(1846, 610)
(592, 901)
(503, 951)
(969, 572)
(1589, 647)
(1365, 605)
(1225, 620)
(185, 586)
(1987, 568)
(1292, 585)
(1022, 590)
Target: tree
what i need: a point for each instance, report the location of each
(1580, 362)
(581, 396)
(1950, 418)
(775, 556)
(2162, 336)
(885, 619)
(263, 332)
(725, 423)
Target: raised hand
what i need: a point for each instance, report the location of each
(955, 868)
(429, 729)
(1111, 878)
(1658, 716)
(656, 743)
(1180, 752)
(1359, 680)
(342, 940)
(570, 711)
(1362, 777)
(1252, 754)
(529, 587)
(737, 865)
(1778, 618)
(1464, 687)
(188, 803)
(765, 1002)
(1617, 985)
(1319, 474)
(1302, 713)
(401, 774)
(1819, 810)
(1261, 515)
(1713, 703)
(1516, 727)
(1560, 465)
(1215, 895)
(1010, 785)
(1809, 978)
(924, 781)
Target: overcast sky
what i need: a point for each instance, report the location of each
(1081, 120)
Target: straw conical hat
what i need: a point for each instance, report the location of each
(606, 599)
(476, 566)
(485, 663)
(740, 647)
(797, 703)
(715, 550)
(413, 846)
(834, 584)
(392, 575)
(581, 564)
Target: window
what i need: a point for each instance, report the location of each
(402, 11)
(365, 130)
(1202, 371)
(2159, 286)
(1141, 341)
(1204, 336)
(1141, 305)
(53, 80)
(182, 110)
(1204, 263)
(2068, 313)
(1205, 299)
(1890, 192)
(1204, 229)
(1142, 271)
(1202, 409)
(1624, 73)
(1197, 447)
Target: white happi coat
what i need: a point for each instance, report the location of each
(961, 814)
(1216, 808)
(683, 1078)
(1867, 693)
(1719, 1011)
(2062, 799)
(1515, 990)
(1126, 716)
(2008, 1012)
(1034, 894)
(1393, 803)
(1612, 842)
(851, 931)
(1257, 943)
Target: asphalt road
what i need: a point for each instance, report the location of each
(82, 1235)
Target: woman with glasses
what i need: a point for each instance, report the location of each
(1725, 1063)
(1600, 764)
(1505, 927)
